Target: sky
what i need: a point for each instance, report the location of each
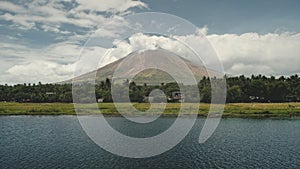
(41, 39)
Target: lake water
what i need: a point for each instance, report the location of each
(59, 142)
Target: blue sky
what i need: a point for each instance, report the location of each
(235, 16)
(250, 37)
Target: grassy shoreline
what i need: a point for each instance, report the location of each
(232, 110)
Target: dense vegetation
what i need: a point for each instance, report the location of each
(239, 89)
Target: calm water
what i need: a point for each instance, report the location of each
(59, 141)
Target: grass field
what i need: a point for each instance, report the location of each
(253, 110)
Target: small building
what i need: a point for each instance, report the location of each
(178, 97)
(100, 100)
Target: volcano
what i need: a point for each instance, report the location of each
(138, 61)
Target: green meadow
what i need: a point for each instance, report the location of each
(252, 110)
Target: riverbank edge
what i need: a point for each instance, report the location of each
(224, 116)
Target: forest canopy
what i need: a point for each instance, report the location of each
(239, 89)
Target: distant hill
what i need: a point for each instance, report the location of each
(137, 60)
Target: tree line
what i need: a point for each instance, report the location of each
(239, 89)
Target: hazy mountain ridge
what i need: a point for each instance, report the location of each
(148, 75)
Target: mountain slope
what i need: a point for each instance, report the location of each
(138, 61)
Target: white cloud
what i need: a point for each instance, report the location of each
(8, 6)
(141, 41)
(43, 71)
(48, 28)
(54, 63)
(203, 30)
(248, 53)
(23, 22)
(90, 58)
(251, 53)
(108, 6)
(82, 13)
(64, 51)
(24, 63)
(59, 52)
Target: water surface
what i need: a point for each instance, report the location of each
(59, 141)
